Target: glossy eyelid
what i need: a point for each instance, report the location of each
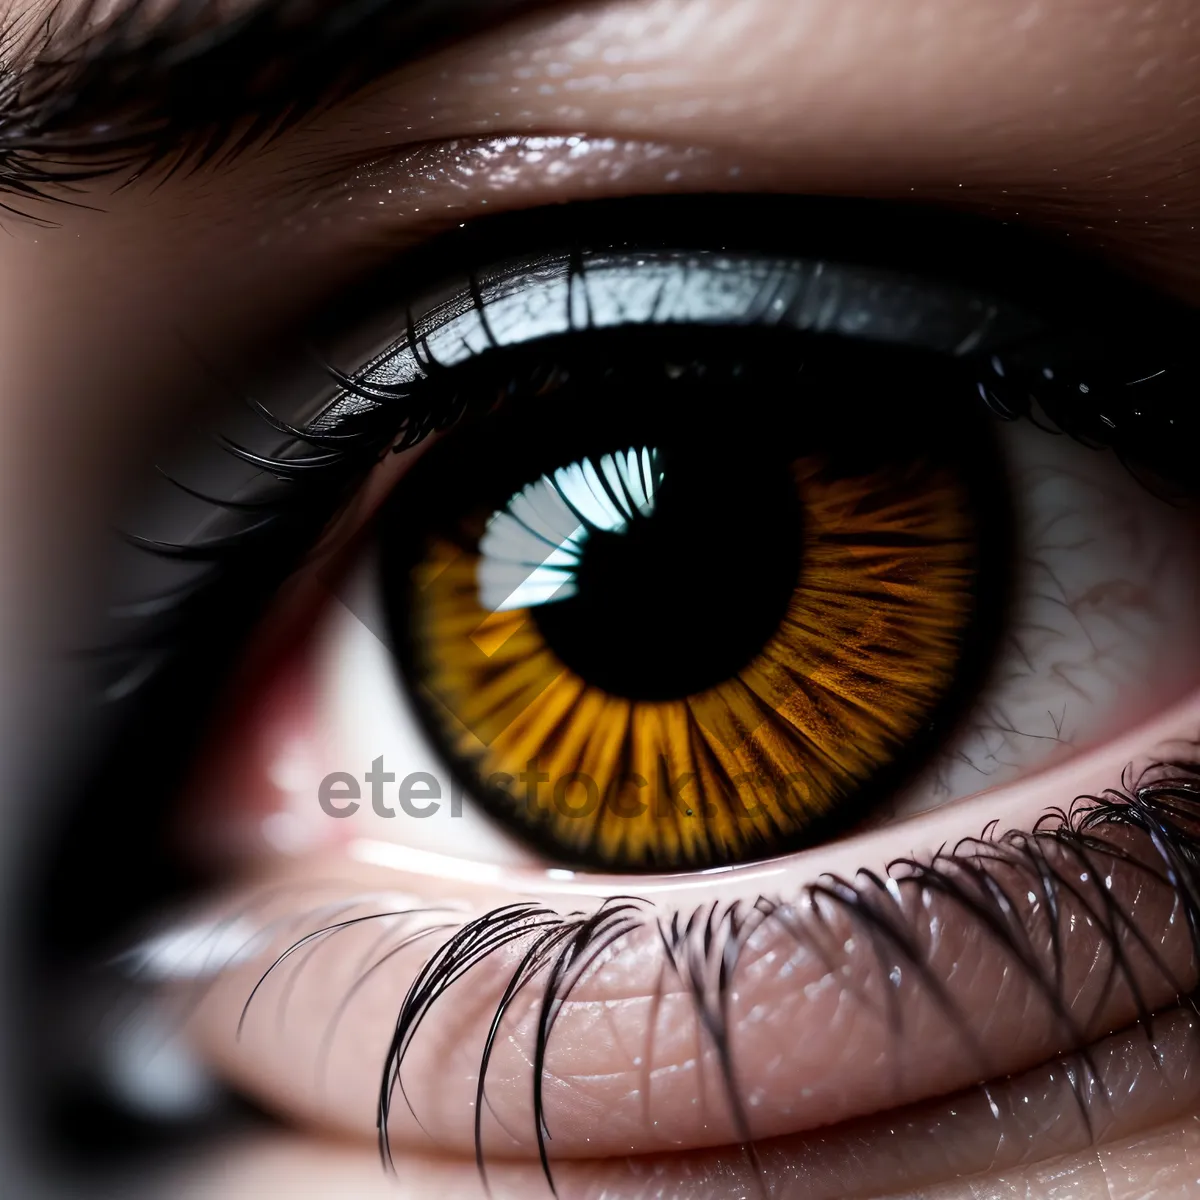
(1104, 358)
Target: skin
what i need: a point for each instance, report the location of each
(1080, 115)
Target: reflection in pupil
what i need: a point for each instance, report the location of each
(681, 597)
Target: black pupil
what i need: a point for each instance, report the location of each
(685, 597)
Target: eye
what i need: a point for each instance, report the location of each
(812, 517)
(728, 551)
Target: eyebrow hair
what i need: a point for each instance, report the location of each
(188, 84)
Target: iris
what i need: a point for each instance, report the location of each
(711, 640)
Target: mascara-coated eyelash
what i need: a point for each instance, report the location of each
(1038, 332)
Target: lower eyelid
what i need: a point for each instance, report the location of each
(815, 1007)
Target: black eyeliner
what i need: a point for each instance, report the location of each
(1045, 332)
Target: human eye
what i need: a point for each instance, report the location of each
(905, 538)
(740, 556)
(686, 692)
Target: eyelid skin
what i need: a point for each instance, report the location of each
(1068, 113)
(785, 998)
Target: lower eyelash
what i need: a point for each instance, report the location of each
(1066, 861)
(1063, 869)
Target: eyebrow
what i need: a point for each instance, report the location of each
(188, 85)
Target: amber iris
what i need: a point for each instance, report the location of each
(565, 716)
(648, 639)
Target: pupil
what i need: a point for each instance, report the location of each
(685, 596)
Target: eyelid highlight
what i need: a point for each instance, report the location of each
(1037, 331)
(565, 293)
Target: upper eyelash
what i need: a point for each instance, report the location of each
(330, 453)
(1057, 863)
(1069, 380)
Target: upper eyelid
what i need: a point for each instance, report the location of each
(1164, 326)
(952, 290)
(417, 189)
(340, 454)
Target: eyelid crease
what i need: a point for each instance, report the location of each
(411, 194)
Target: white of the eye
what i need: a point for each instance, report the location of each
(1104, 626)
(366, 712)
(530, 550)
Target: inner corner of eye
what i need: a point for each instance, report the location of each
(679, 616)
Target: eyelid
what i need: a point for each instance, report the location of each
(410, 195)
(1106, 361)
(889, 109)
(619, 981)
(570, 292)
